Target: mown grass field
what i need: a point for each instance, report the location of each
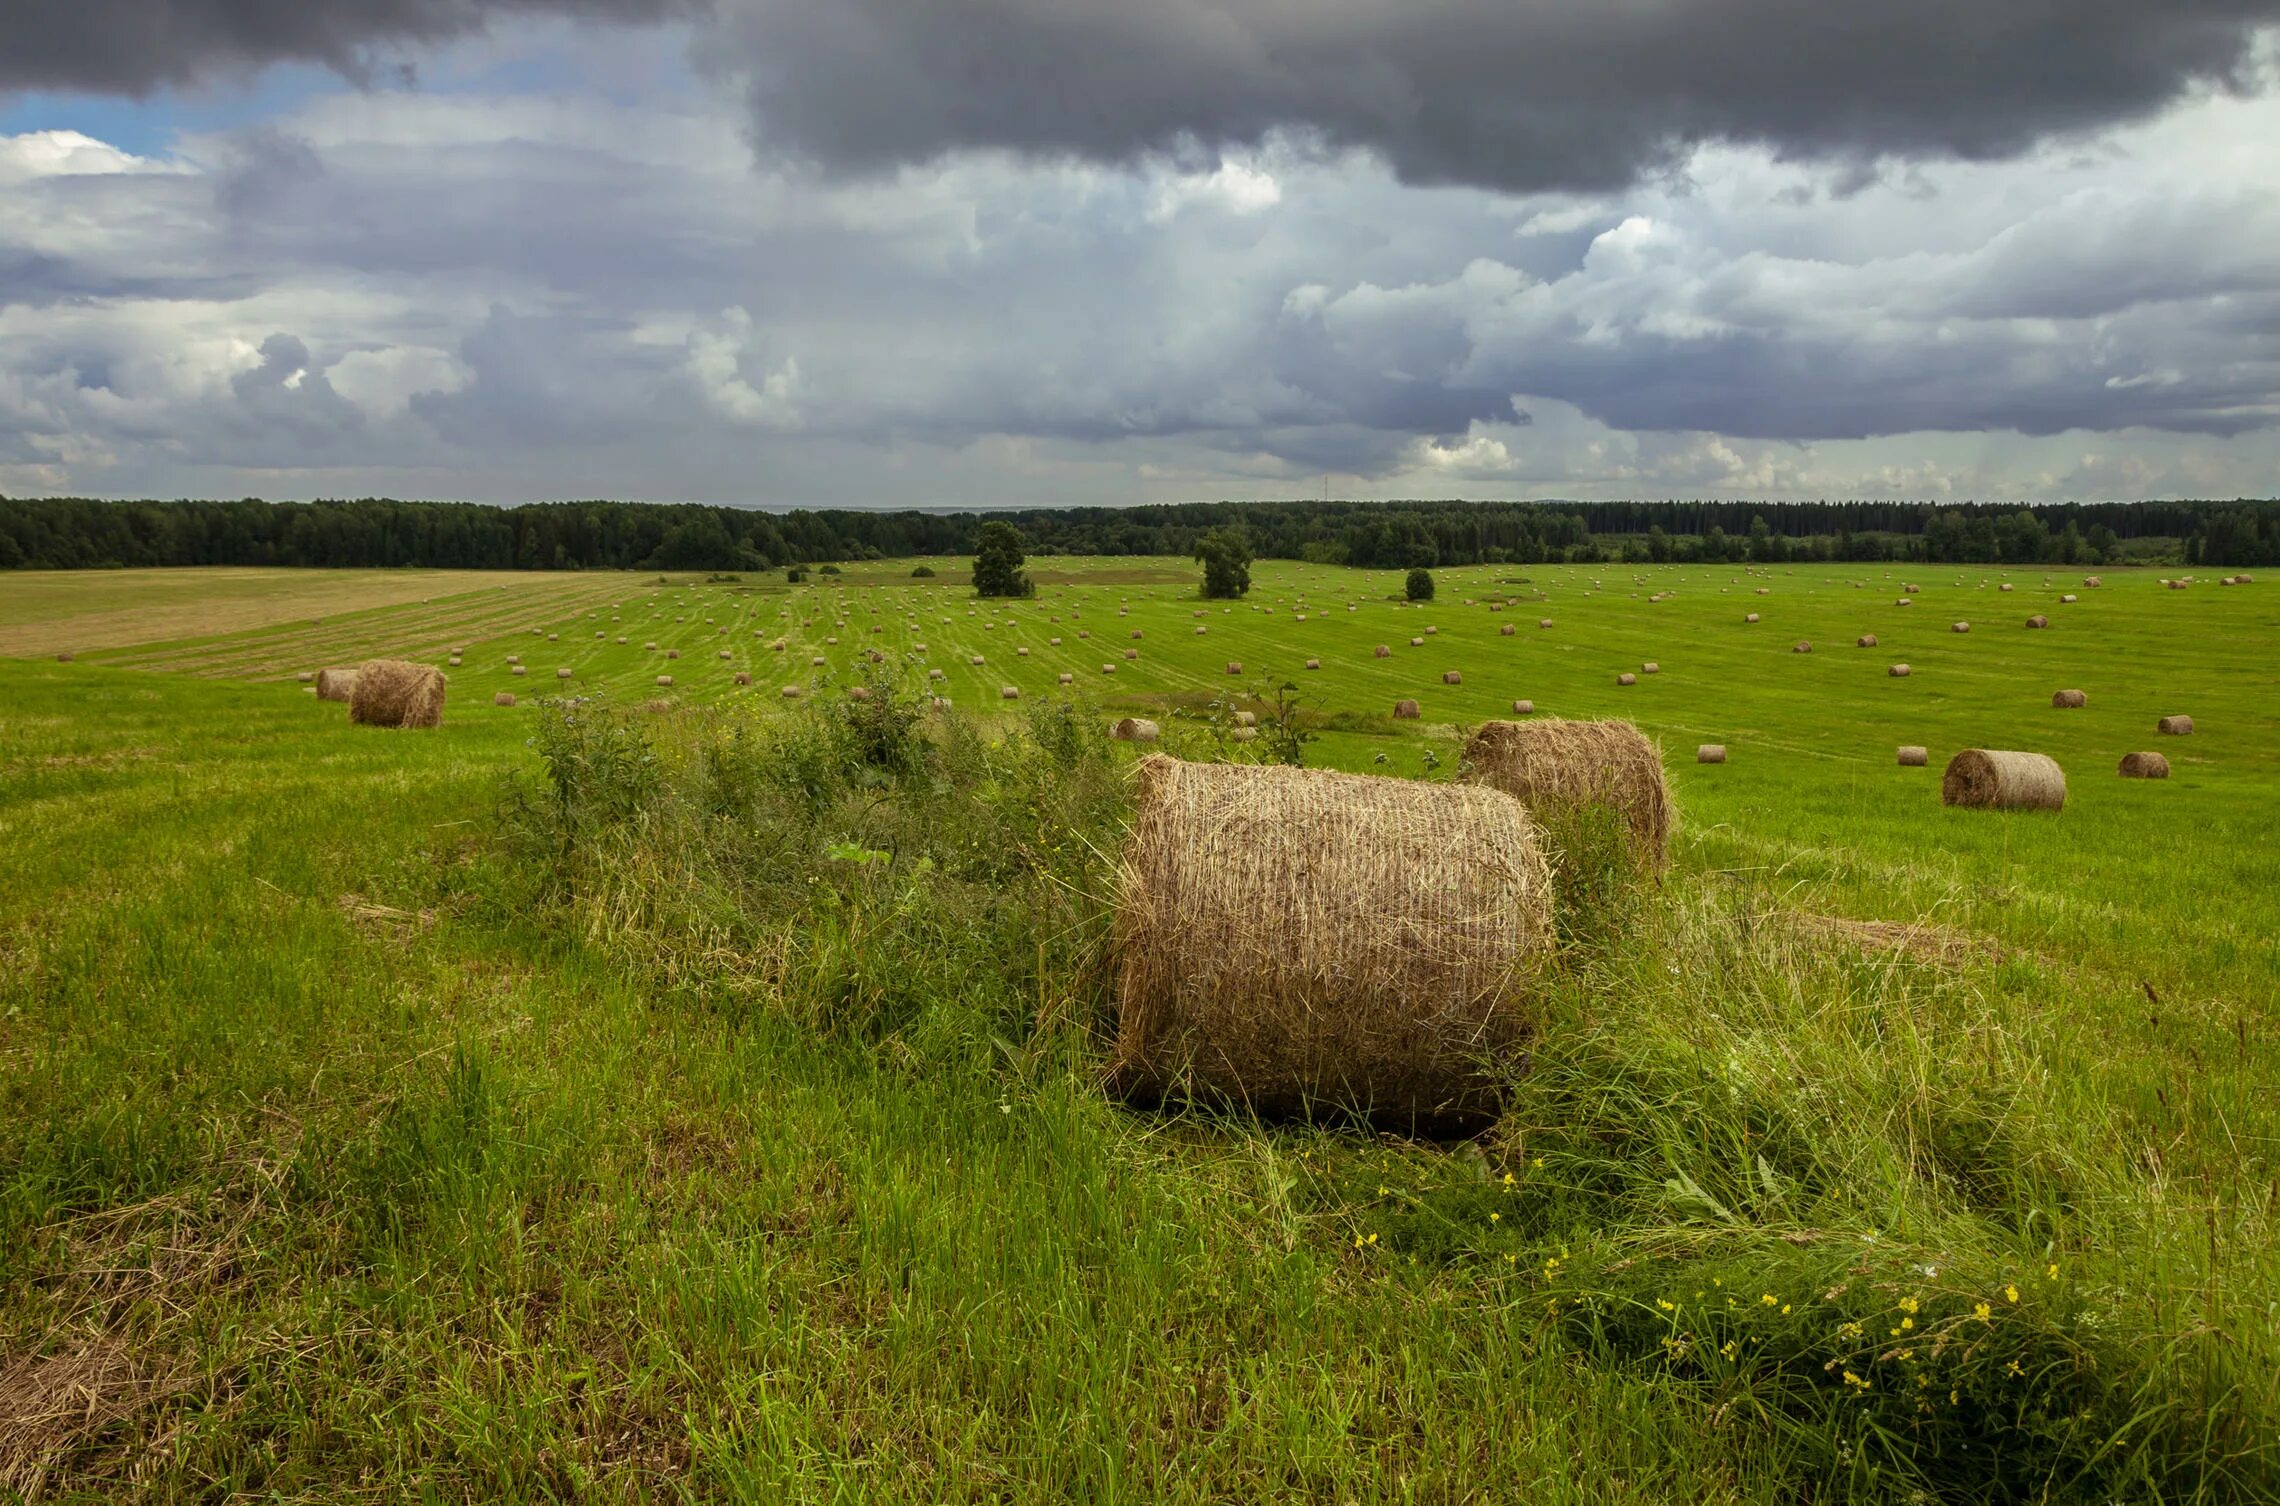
(372, 1131)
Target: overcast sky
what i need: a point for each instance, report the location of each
(976, 252)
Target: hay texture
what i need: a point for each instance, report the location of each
(335, 684)
(2176, 726)
(396, 693)
(1289, 938)
(1552, 764)
(2069, 700)
(2144, 766)
(1995, 779)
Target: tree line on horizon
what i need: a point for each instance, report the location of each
(88, 533)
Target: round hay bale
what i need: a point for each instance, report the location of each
(934, 674)
(1132, 653)
(1865, 640)
(1406, 710)
(2143, 766)
(1009, 692)
(665, 679)
(672, 653)
(1314, 664)
(1555, 763)
(1288, 938)
(1914, 757)
(1234, 666)
(1710, 753)
(562, 674)
(335, 684)
(1765, 590)
(65, 657)
(1523, 708)
(724, 653)
(1749, 617)
(1505, 630)
(514, 658)
(1909, 590)
(1243, 734)
(503, 698)
(1802, 647)
(2092, 581)
(1650, 668)
(2068, 700)
(1543, 622)
(1416, 643)
(817, 662)
(1246, 719)
(2068, 597)
(1899, 671)
(1064, 678)
(1108, 669)
(306, 677)
(1429, 632)
(1381, 652)
(646, 648)
(1998, 779)
(2176, 726)
(396, 693)
(744, 677)
(1452, 677)
(2004, 587)
(1023, 653)
(973, 658)
(2038, 621)
(793, 692)
(1134, 729)
(858, 692)
(518, 670)
(1626, 679)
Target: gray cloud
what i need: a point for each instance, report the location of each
(1516, 95)
(135, 46)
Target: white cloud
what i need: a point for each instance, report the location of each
(716, 360)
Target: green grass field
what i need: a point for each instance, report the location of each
(541, 1108)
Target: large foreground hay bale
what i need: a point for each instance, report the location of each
(396, 693)
(335, 684)
(1999, 779)
(2144, 766)
(1296, 937)
(1553, 764)
(2176, 726)
(2068, 700)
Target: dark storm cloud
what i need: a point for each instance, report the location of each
(135, 46)
(1506, 94)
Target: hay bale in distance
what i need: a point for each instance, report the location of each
(1135, 729)
(1064, 678)
(2068, 700)
(1802, 647)
(1243, 734)
(2068, 597)
(306, 677)
(2143, 766)
(2002, 779)
(396, 693)
(1234, 666)
(858, 692)
(1650, 668)
(1506, 630)
(1555, 764)
(1543, 622)
(665, 679)
(2176, 726)
(1289, 938)
(1626, 679)
(335, 684)
(503, 698)
(1009, 692)
(1381, 652)
(1452, 677)
(1749, 617)
(2038, 621)
(1913, 756)
(1246, 719)
(793, 692)
(1406, 710)
(1710, 753)
(1865, 640)
(1899, 671)
(1523, 708)
(1314, 664)
(744, 677)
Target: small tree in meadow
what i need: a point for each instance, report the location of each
(1420, 587)
(998, 559)
(1226, 557)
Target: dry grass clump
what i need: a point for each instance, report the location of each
(397, 693)
(1556, 764)
(2176, 726)
(1914, 756)
(1136, 729)
(1919, 942)
(335, 684)
(1289, 938)
(2001, 779)
(2068, 700)
(2144, 766)
(1710, 753)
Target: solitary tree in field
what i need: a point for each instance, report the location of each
(1226, 557)
(1420, 587)
(998, 559)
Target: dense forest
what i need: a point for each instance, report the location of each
(81, 533)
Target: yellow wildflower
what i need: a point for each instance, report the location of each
(1907, 1304)
(2052, 1273)
(1770, 1300)
(1665, 1304)
(1907, 1322)
(1855, 1381)
(2010, 1294)
(2013, 1369)
(1980, 1310)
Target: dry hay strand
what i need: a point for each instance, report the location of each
(1710, 753)
(1865, 640)
(2144, 766)
(2003, 779)
(54, 1406)
(335, 684)
(1914, 756)
(1406, 709)
(502, 698)
(397, 693)
(2068, 700)
(1298, 938)
(1899, 671)
(2176, 726)
(1943, 946)
(1136, 729)
(1452, 677)
(1555, 764)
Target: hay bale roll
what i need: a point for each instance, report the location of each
(1416, 643)
(1246, 719)
(1749, 617)
(1865, 640)
(1543, 622)
(2068, 700)
(1381, 652)
(562, 674)
(1555, 764)
(1406, 710)
(1523, 708)
(2068, 597)
(2144, 766)
(2000, 779)
(793, 692)
(1009, 692)
(1234, 666)
(1899, 671)
(858, 692)
(396, 693)
(743, 677)
(2038, 621)
(1914, 757)
(2176, 726)
(665, 679)
(306, 677)
(1710, 753)
(1132, 653)
(1626, 679)
(1960, 627)
(1136, 729)
(335, 684)
(1505, 630)
(1314, 664)
(1452, 677)
(1243, 734)
(1289, 938)
(1064, 678)
(503, 698)
(1802, 647)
